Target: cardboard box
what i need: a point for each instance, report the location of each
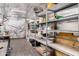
(76, 46)
(40, 50)
(66, 42)
(65, 34)
(58, 53)
(66, 39)
(50, 5)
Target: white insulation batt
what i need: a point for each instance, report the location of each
(16, 28)
(13, 17)
(14, 21)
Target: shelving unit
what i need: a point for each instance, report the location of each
(6, 48)
(67, 31)
(42, 14)
(66, 18)
(3, 51)
(63, 48)
(63, 19)
(61, 6)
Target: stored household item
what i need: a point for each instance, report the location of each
(58, 53)
(34, 43)
(52, 53)
(34, 31)
(58, 17)
(65, 34)
(41, 50)
(42, 20)
(50, 5)
(66, 39)
(76, 46)
(65, 42)
(51, 17)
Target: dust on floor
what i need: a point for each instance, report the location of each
(21, 47)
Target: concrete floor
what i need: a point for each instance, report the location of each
(21, 47)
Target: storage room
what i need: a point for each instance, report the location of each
(39, 29)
